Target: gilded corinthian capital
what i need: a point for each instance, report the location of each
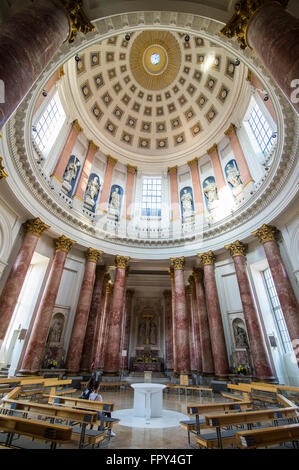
(64, 244)
(265, 233)
(178, 263)
(121, 261)
(77, 18)
(207, 258)
(36, 227)
(236, 248)
(93, 255)
(244, 11)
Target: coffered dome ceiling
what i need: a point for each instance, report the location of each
(156, 94)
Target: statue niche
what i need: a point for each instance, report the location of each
(54, 350)
(241, 353)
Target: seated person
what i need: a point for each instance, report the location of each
(95, 396)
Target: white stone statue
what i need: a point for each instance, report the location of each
(115, 201)
(92, 190)
(233, 176)
(211, 191)
(187, 203)
(71, 171)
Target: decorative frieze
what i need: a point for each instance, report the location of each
(36, 227)
(265, 233)
(236, 248)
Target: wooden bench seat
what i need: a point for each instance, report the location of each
(56, 434)
(92, 437)
(210, 440)
(268, 436)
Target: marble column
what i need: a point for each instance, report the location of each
(131, 171)
(88, 350)
(81, 317)
(195, 325)
(215, 319)
(273, 35)
(34, 351)
(29, 40)
(127, 327)
(112, 356)
(218, 171)
(101, 334)
(105, 193)
(194, 366)
(289, 305)
(86, 170)
(198, 199)
(171, 273)
(181, 318)
(260, 357)
(66, 151)
(206, 353)
(168, 331)
(239, 155)
(174, 195)
(34, 229)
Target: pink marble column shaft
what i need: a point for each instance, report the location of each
(239, 155)
(101, 334)
(171, 272)
(105, 193)
(131, 170)
(285, 292)
(127, 327)
(273, 34)
(168, 331)
(174, 195)
(66, 151)
(81, 317)
(112, 355)
(34, 352)
(88, 352)
(29, 40)
(15, 280)
(260, 357)
(218, 172)
(195, 328)
(181, 320)
(198, 199)
(194, 366)
(86, 170)
(215, 319)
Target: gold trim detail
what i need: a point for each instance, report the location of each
(249, 76)
(131, 169)
(93, 255)
(61, 72)
(78, 20)
(171, 272)
(64, 244)
(111, 160)
(93, 146)
(109, 287)
(36, 227)
(106, 278)
(214, 148)
(121, 261)
(265, 233)
(230, 129)
(173, 170)
(178, 263)
(238, 25)
(193, 162)
(145, 74)
(207, 258)
(236, 248)
(77, 126)
(3, 173)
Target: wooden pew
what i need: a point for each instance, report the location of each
(106, 408)
(113, 384)
(71, 415)
(194, 425)
(54, 433)
(237, 419)
(58, 387)
(268, 436)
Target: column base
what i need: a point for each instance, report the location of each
(221, 377)
(25, 372)
(72, 373)
(111, 374)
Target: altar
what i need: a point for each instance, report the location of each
(146, 360)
